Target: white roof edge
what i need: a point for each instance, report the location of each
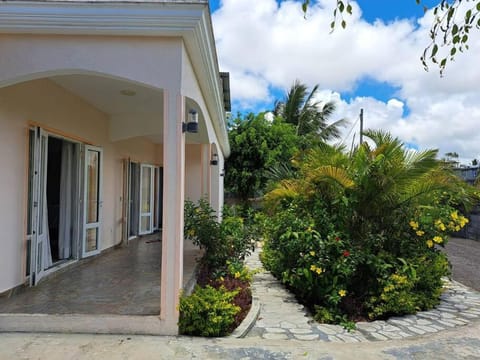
(187, 19)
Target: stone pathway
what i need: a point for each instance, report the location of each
(282, 317)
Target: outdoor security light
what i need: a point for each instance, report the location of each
(214, 160)
(192, 124)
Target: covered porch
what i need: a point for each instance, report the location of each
(123, 282)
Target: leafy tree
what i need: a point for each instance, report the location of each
(309, 116)
(257, 144)
(453, 20)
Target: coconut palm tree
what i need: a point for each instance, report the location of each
(309, 116)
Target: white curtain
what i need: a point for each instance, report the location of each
(67, 189)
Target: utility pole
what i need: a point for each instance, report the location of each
(361, 126)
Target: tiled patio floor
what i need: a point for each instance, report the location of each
(124, 281)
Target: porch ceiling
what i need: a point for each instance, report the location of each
(125, 101)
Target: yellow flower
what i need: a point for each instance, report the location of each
(313, 268)
(420, 232)
(454, 215)
(429, 243)
(438, 239)
(414, 224)
(342, 293)
(312, 253)
(319, 271)
(237, 275)
(440, 225)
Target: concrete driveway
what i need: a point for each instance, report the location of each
(464, 255)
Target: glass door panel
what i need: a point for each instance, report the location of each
(146, 199)
(37, 203)
(92, 200)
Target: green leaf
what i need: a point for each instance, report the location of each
(341, 6)
(468, 14)
(344, 24)
(454, 29)
(451, 12)
(465, 38)
(434, 50)
(453, 51)
(332, 24)
(349, 9)
(478, 6)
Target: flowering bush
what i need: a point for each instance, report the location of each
(355, 235)
(435, 223)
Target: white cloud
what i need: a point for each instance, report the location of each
(266, 45)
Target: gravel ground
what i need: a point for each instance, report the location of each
(464, 256)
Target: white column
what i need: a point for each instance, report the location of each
(215, 200)
(173, 202)
(206, 171)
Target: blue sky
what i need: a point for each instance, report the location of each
(374, 65)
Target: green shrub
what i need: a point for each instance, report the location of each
(224, 241)
(208, 312)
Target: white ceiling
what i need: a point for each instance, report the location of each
(105, 94)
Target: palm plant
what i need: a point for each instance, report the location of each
(310, 117)
(372, 189)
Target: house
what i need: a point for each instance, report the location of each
(111, 114)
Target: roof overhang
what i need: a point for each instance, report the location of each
(189, 20)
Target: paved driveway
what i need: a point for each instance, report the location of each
(464, 256)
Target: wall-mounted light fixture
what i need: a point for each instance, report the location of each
(191, 125)
(214, 160)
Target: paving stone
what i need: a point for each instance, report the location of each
(416, 330)
(428, 329)
(446, 323)
(399, 322)
(404, 334)
(347, 338)
(329, 329)
(269, 336)
(390, 328)
(287, 325)
(275, 330)
(390, 335)
(301, 331)
(333, 338)
(306, 337)
(423, 322)
(468, 315)
(378, 336)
